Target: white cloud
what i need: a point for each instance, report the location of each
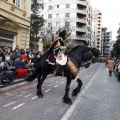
(110, 14)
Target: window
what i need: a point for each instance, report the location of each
(49, 15)
(50, 7)
(57, 15)
(57, 6)
(66, 24)
(17, 3)
(67, 5)
(67, 15)
(57, 23)
(49, 24)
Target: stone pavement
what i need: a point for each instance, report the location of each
(100, 100)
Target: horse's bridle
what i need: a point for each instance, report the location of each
(88, 62)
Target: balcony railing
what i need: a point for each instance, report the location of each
(79, 38)
(81, 29)
(81, 20)
(81, 11)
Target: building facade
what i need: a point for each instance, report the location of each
(94, 36)
(107, 41)
(73, 14)
(15, 23)
(97, 19)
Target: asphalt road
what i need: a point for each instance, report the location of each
(22, 103)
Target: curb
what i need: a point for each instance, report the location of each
(18, 83)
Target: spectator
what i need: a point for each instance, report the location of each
(8, 53)
(17, 47)
(118, 66)
(9, 70)
(110, 66)
(1, 54)
(15, 54)
(1, 71)
(20, 67)
(22, 55)
(30, 57)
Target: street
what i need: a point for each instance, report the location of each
(91, 104)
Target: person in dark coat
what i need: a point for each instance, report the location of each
(2, 55)
(9, 70)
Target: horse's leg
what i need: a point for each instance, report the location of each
(77, 90)
(39, 86)
(66, 98)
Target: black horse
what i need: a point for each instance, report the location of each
(77, 55)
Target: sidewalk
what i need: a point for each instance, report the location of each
(100, 100)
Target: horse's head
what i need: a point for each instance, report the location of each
(88, 57)
(80, 54)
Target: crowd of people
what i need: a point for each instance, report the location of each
(15, 64)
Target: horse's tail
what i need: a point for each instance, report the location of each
(32, 77)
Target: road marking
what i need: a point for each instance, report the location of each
(50, 85)
(56, 85)
(61, 82)
(57, 82)
(70, 111)
(6, 105)
(48, 90)
(14, 108)
(34, 97)
(27, 95)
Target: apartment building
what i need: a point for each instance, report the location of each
(97, 19)
(15, 23)
(94, 35)
(107, 41)
(73, 14)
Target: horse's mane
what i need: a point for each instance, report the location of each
(78, 47)
(76, 53)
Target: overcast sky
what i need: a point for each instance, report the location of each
(110, 14)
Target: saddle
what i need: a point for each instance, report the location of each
(73, 68)
(62, 60)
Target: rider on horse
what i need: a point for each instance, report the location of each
(57, 57)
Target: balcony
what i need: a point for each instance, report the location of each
(81, 20)
(107, 45)
(81, 12)
(82, 4)
(79, 38)
(81, 29)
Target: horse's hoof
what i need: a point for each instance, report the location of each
(40, 96)
(69, 102)
(74, 93)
